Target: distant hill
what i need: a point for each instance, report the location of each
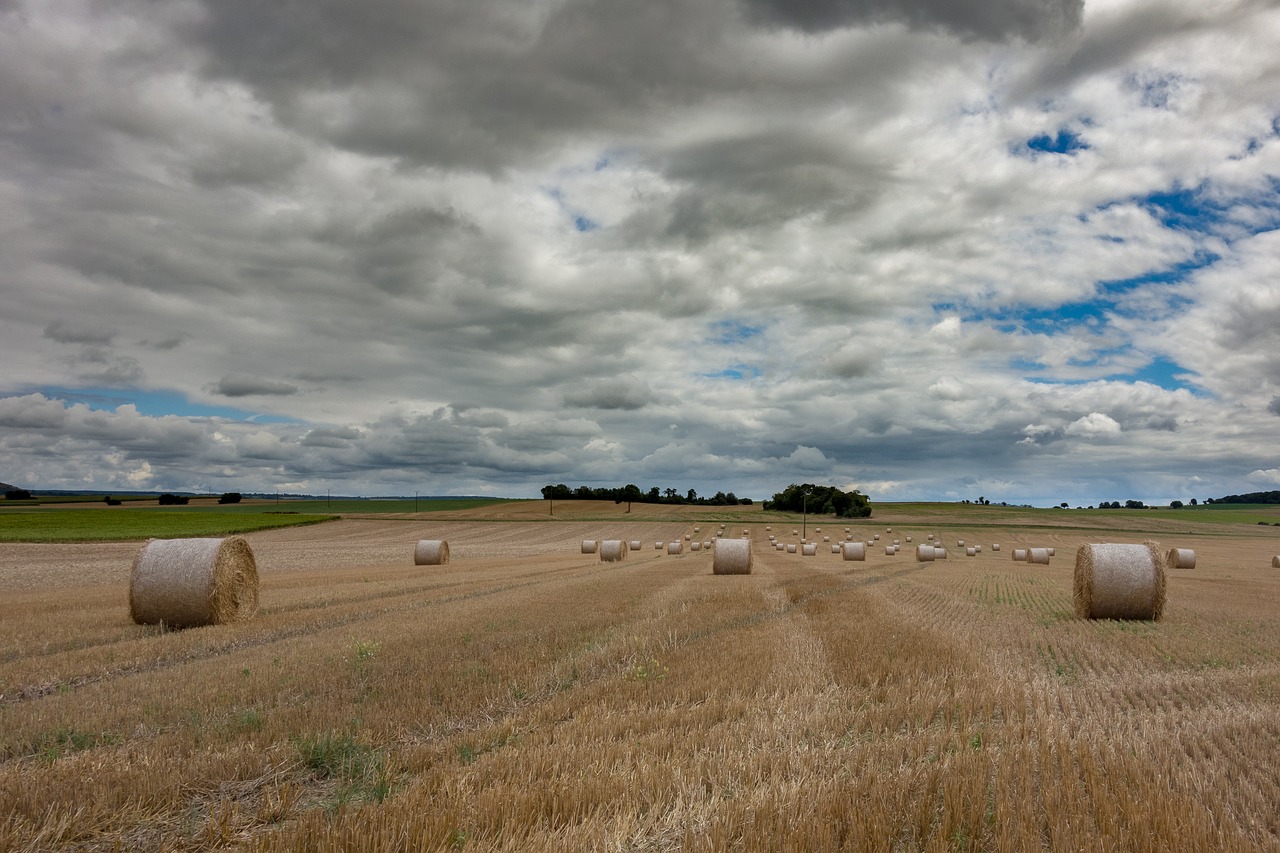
(5, 487)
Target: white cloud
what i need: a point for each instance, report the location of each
(1093, 425)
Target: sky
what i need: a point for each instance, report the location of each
(1026, 250)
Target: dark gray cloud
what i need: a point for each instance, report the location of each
(78, 332)
(985, 19)
(242, 385)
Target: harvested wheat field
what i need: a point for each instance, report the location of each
(528, 697)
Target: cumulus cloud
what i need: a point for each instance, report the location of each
(936, 246)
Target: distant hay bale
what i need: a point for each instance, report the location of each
(977, 549)
(896, 542)
(1275, 562)
(939, 553)
(635, 544)
(1053, 552)
(732, 557)
(657, 546)
(695, 546)
(835, 548)
(930, 537)
(908, 539)
(995, 546)
(875, 536)
(791, 549)
(1181, 558)
(686, 537)
(1119, 582)
(924, 553)
(889, 550)
(848, 537)
(768, 529)
(810, 549)
(431, 552)
(613, 550)
(779, 546)
(589, 546)
(826, 538)
(971, 551)
(675, 547)
(960, 543)
(746, 532)
(854, 551)
(1020, 555)
(1039, 556)
(185, 583)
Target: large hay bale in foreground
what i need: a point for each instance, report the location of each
(732, 557)
(924, 553)
(1119, 581)
(1039, 556)
(589, 546)
(613, 550)
(1181, 558)
(855, 551)
(185, 583)
(431, 552)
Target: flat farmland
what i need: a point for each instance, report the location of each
(527, 697)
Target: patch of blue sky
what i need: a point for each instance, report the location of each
(1064, 142)
(1164, 372)
(1171, 275)
(737, 372)
(729, 332)
(1060, 318)
(154, 404)
(582, 224)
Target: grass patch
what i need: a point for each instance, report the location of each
(361, 772)
(102, 525)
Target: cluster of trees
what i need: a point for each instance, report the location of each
(821, 500)
(630, 493)
(229, 498)
(17, 495)
(172, 500)
(1250, 498)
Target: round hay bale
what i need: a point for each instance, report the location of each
(732, 557)
(1275, 562)
(995, 546)
(971, 551)
(848, 537)
(675, 548)
(746, 532)
(930, 537)
(939, 553)
(791, 549)
(657, 546)
(1119, 582)
(810, 549)
(826, 538)
(817, 530)
(908, 539)
(589, 546)
(695, 546)
(835, 548)
(686, 537)
(431, 552)
(613, 550)
(924, 553)
(1181, 558)
(977, 549)
(875, 536)
(779, 546)
(1020, 555)
(889, 550)
(855, 551)
(960, 543)
(1053, 552)
(896, 542)
(697, 530)
(1039, 556)
(185, 583)
(635, 544)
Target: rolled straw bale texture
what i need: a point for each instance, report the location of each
(889, 550)
(188, 582)
(835, 548)
(695, 546)
(1020, 555)
(1119, 581)
(791, 549)
(924, 553)
(1053, 552)
(826, 538)
(960, 543)
(657, 546)
(675, 548)
(855, 551)
(732, 557)
(995, 546)
(1181, 558)
(635, 544)
(588, 546)
(977, 549)
(431, 552)
(971, 551)
(1275, 562)
(810, 549)
(779, 546)
(613, 550)
(939, 553)
(1039, 556)
(908, 538)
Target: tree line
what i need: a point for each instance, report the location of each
(630, 493)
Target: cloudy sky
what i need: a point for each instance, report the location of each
(930, 249)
